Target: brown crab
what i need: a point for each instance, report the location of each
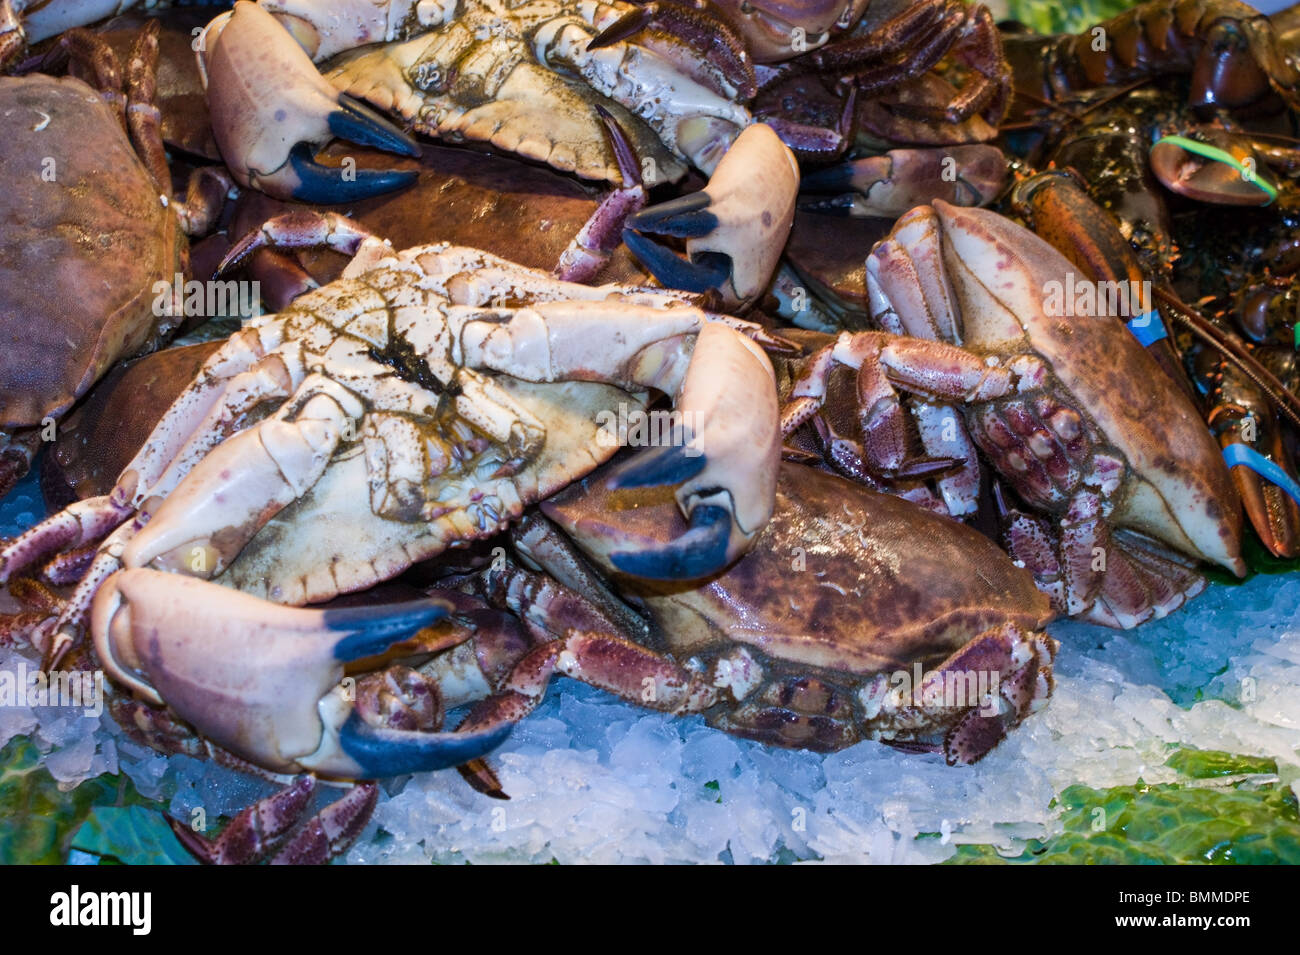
(854, 616)
(101, 229)
(1071, 410)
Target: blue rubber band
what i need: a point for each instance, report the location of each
(1147, 328)
(1240, 454)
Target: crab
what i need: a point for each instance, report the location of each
(1126, 486)
(524, 77)
(372, 424)
(85, 210)
(927, 658)
(397, 717)
(536, 78)
(268, 119)
(845, 621)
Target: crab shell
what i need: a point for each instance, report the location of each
(324, 544)
(84, 247)
(843, 585)
(1000, 275)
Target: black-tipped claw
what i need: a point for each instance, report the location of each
(358, 123)
(699, 552)
(833, 179)
(672, 464)
(331, 185)
(707, 271)
(687, 217)
(625, 27)
(369, 631)
(381, 753)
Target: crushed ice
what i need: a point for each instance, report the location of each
(592, 779)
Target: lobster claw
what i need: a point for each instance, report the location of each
(265, 681)
(735, 228)
(1214, 166)
(270, 108)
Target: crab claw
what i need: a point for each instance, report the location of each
(725, 456)
(899, 180)
(735, 228)
(265, 681)
(1215, 166)
(270, 107)
(698, 24)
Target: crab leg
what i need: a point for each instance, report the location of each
(188, 413)
(244, 481)
(230, 381)
(254, 833)
(611, 663)
(933, 369)
(78, 524)
(943, 436)
(264, 681)
(272, 378)
(590, 249)
(585, 645)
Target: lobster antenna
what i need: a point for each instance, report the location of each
(1235, 352)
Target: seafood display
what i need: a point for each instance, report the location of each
(384, 361)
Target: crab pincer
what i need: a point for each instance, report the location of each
(699, 23)
(894, 182)
(275, 695)
(735, 228)
(271, 107)
(724, 456)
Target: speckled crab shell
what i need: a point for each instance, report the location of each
(842, 578)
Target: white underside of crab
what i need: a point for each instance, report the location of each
(514, 66)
